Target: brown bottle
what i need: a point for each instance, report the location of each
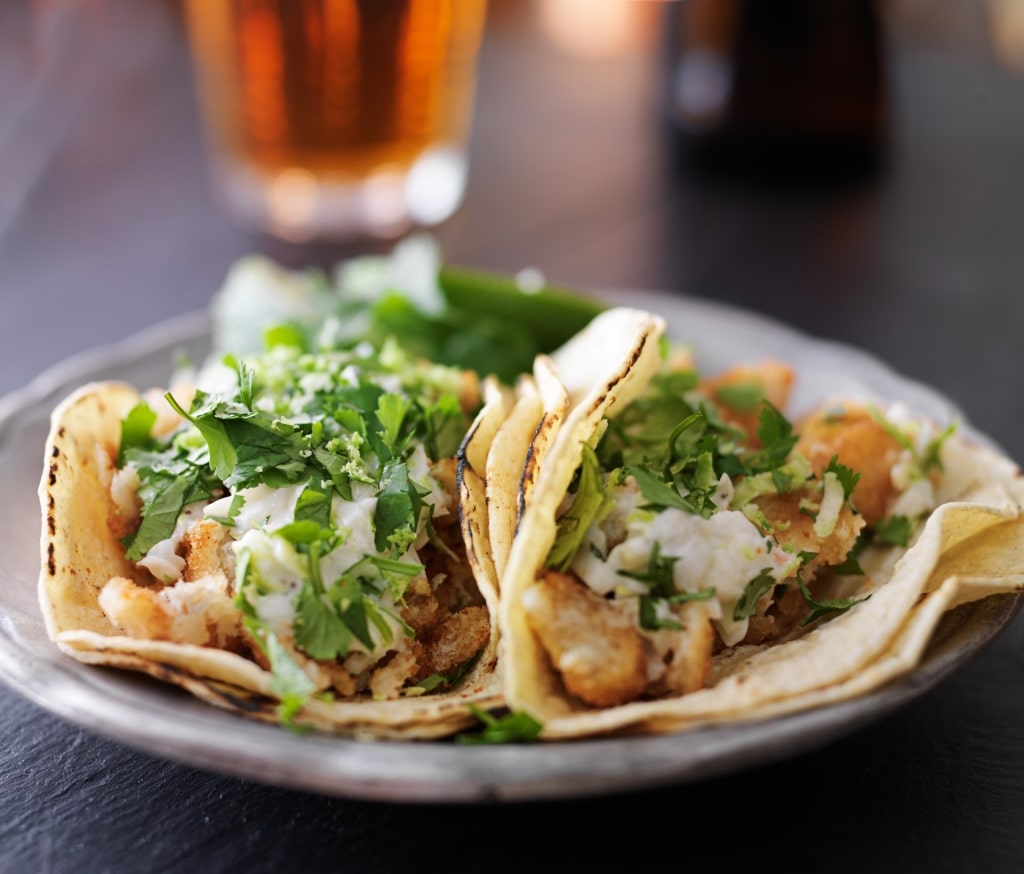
(777, 88)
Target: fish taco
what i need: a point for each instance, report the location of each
(694, 553)
(286, 535)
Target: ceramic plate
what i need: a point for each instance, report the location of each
(167, 722)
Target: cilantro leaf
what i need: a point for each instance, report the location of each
(391, 412)
(752, 592)
(826, 607)
(659, 574)
(895, 530)
(512, 727)
(775, 433)
(399, 502)
(744, 397)
(222, 453)
(657, 492)
(319, 630)
(444, 682)
(847, 477)
(136, 430)
(445, 427)
(660, 579)
(314, 505)
(931, 456)
(159, 517)
(288, 681)
(588, 506)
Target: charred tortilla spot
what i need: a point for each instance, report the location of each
(248, 704)
(56, 451)
(51, 563)
(53, 473)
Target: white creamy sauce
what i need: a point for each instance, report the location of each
(263, 507)
(419, 472)
(124, 484)
(162, 560)
(354, 520)
(724, 552)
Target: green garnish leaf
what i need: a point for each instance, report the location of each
(775, 433)
(826, 607)
(752, 592)
(446, 427)
(931, 457)
(847, 477)
(444, 682)
(743, 397)
(391, 412)
(588, 506)
(659, 573)
(159, 516)
(895, 530)
(513, 727)
(850, 566)
(319, 630)
(399, 502)
(288, 681)
(658, 493)
(136, 430)
(314, 506)
(285, 334)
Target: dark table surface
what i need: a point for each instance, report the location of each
(107, 225)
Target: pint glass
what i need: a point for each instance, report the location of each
(337, 119)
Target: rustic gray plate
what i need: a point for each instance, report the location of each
(164, 721)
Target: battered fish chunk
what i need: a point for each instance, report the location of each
(794, 529)
(686, 651)
(596, 648)
(199, 612)
(861, 444)
(769, 381)
(454, 642)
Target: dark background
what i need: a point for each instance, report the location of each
(107, 225)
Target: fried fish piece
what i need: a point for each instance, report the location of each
(596, 648)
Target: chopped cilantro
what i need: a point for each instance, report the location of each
(286, 334)
(319, 630)
(513, 727)
(744, 397)
(399, 502)
(826, 607)
(895, 530)
(658, 493)
(775, 433)
(659, 577)
(752, 592)
(443, 682)
(590, 502)
(931, 457)
(847, 477)
(927, 458)
(234, 508)
(136, 430)
(288, 682)
(391, 413)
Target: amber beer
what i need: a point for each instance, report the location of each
(338, 118)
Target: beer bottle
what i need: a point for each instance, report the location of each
(776, 88)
